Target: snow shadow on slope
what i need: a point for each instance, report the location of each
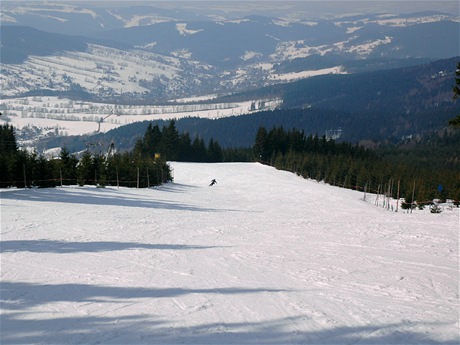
(174, 187)
(278, 332)
(64, 247)
(20, 326)
(22, 295)
(100, 196)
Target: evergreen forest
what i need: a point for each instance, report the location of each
(418, 171)
(19, 168)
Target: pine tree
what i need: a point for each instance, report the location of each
(455, 122)
(199, 151)
(214, 151)
(260, 145)
(23, 169)
(152, 141)
(170, 142)
(8, 155)
(99, 165)
(42, 173)
(68, 167)
(185, 148)
(84, 171)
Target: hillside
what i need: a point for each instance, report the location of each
(370, 128)
(262, 257)
(130, 54)
(360, 73)
(20, 42)
(409, 89)
(381, 107)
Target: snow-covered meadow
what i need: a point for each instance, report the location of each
(263, 257)
(36, 117)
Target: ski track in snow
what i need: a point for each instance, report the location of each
(263, 257)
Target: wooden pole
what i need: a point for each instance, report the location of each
(397, 196)
(377, 198)
(148, 179)
(384, 196)
(24, 170)
(413, 193)
(390, 188)
(118, 182)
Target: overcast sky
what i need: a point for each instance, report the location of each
(304, 8)
(310, 8)
(360, 6)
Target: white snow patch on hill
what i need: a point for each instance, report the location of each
(262, 257)
(306, 74)
(248, 55)
(99, 70)
(63, 117)
(182, 28)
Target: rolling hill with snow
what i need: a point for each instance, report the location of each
(123, 50)
(263, 257)
(89, 67)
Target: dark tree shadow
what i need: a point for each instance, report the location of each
(105, 196)
(21, 326)
(110, 197)
(35, 294)
(63, 247)
(174, 187)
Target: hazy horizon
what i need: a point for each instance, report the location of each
(305, 9)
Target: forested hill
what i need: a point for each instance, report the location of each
(34, 42)
(374, 107)
(401, 90)
(239, 131)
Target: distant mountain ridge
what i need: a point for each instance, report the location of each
(410, 89)
(20, 42)
(392, 71)
(374, 107)
(215, 53)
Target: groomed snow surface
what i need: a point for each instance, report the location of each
(263, 257)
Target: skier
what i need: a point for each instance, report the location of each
(213, 182)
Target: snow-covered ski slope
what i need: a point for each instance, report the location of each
(263, 257)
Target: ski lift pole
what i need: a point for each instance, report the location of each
(365, 191)
(148, 178)
(118, 181)
(25, 180)
(413, 193)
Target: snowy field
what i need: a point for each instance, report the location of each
(263, 257)
(61, 116)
